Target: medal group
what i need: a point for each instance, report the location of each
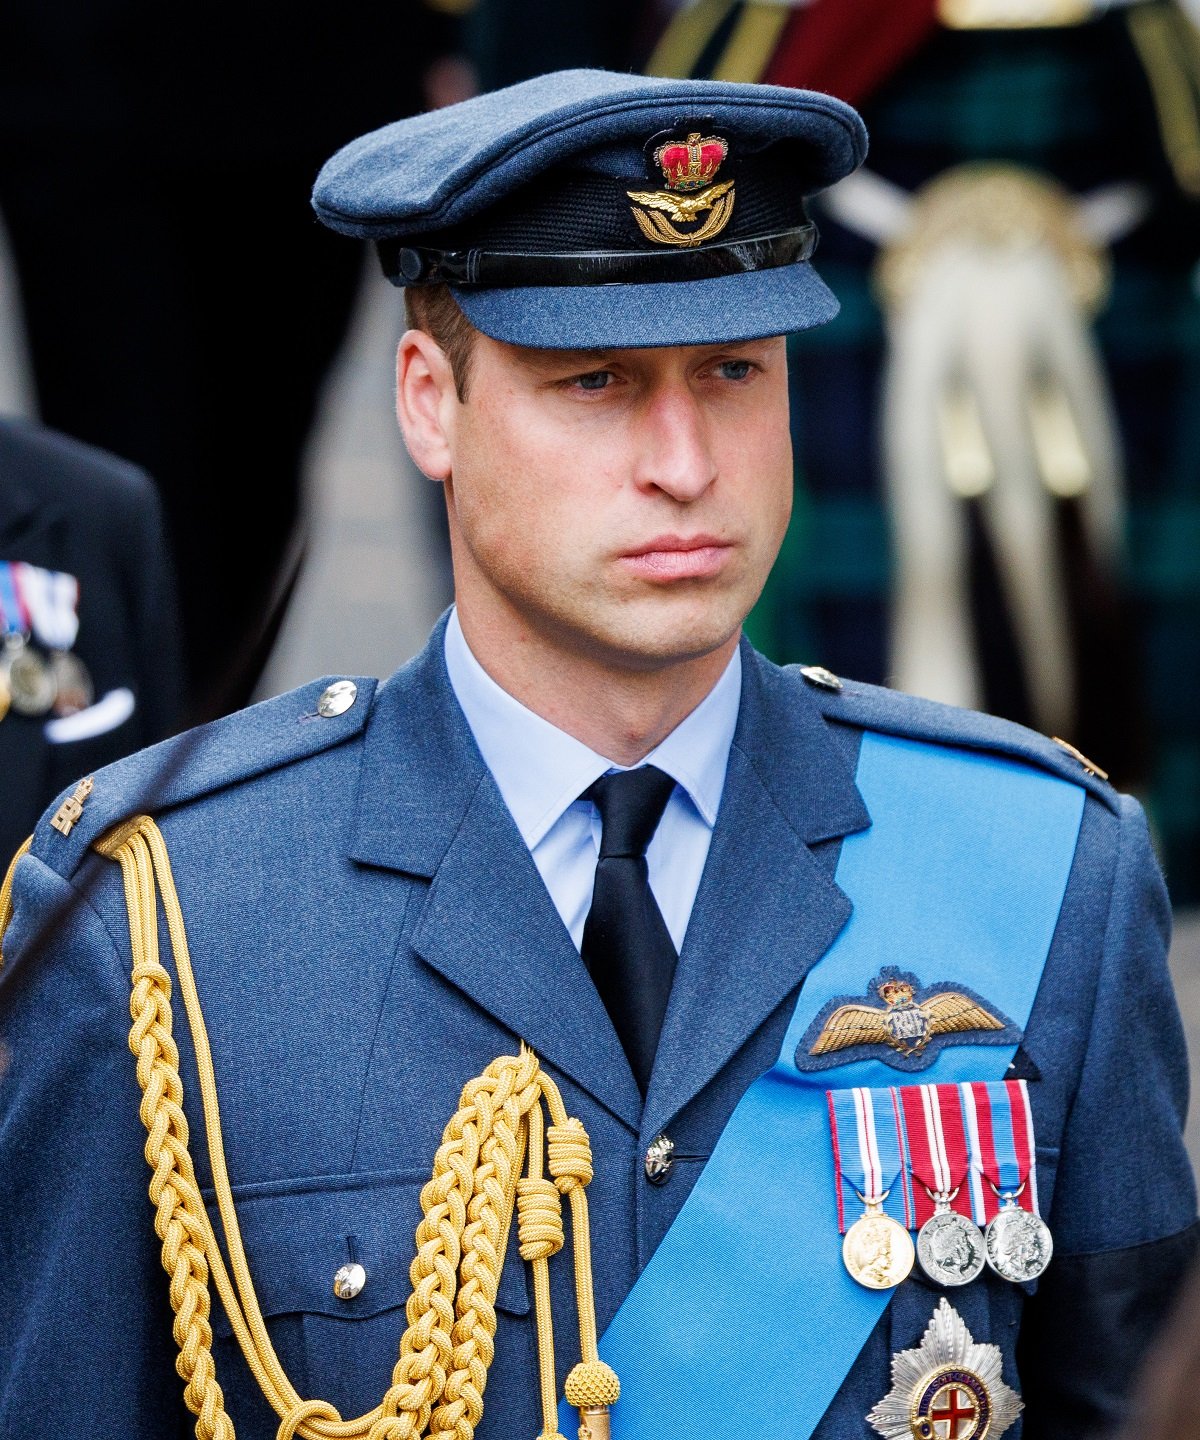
(955, 1163)
(39, 673)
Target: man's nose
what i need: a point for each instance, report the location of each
(675, 452)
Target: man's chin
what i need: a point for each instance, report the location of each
(658, 643)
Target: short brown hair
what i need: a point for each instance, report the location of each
(434, 310)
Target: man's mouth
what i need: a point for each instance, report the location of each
(678, 557)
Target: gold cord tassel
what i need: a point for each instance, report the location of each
(438, 1382)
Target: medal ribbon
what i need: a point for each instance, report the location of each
(947, 1137)
(937, 1140)
(51, 600)
(962, 871)
(1000, 1134)
(870, 1154)
(14, 612)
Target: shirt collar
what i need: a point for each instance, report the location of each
(540, 769)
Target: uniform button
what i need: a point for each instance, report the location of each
(660, 1156)
(349, 1281)
(337, 699)
(818, 675)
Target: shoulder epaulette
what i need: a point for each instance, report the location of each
(210, 757)
(874, 707)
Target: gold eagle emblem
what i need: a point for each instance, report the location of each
(905, 1024)
(683, 209)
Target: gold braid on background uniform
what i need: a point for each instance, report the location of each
(438, 1382)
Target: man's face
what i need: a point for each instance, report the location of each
(622, 505)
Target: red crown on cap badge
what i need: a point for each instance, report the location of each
(689, 164)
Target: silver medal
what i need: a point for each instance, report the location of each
(950, 1248)
(1019, 1244)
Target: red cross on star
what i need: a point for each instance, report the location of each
(948, 1410)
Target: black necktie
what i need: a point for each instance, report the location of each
(626, 945)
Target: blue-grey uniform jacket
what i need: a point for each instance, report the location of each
(368, 931)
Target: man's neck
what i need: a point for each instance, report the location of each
(620, 713)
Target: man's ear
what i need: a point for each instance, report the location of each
(426, 403)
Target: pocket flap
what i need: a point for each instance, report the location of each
(297, 1235)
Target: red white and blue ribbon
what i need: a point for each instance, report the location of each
(919, 1141)
(870, 1154)
(939, 1156)
(999, 1126)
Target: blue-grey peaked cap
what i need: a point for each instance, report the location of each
(526, 201)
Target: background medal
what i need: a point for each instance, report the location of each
(74, 690)
(31, 684)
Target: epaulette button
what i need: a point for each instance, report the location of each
(818, 675)
(337, 699)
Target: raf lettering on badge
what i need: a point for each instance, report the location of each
(908, 1031)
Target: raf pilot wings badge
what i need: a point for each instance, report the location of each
(915, 1022)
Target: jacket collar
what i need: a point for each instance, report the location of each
(766, 910)
(428, 806)
(765, 913)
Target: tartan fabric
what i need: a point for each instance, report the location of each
(1073, 103)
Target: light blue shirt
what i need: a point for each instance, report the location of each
(541, 772)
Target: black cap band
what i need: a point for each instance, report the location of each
(499, 269)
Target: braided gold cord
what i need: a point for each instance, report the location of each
(173, 1191)
(6, 909)
(540, 1234)
(438, 1382)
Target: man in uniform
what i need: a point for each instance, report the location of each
(785, 945)
(91, 620)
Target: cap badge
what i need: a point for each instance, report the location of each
(915, 1021)
(689, 167)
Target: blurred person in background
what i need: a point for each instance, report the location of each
(90, 667)
(190, 335)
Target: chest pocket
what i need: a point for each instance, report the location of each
(297, 1234)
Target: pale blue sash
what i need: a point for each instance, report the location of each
(745, 1320)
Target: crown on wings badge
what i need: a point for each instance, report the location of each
(914, 1023)
(688, 166)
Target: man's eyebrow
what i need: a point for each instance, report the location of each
(559, 359)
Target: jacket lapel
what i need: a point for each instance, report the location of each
(427, 806)
(766, 910)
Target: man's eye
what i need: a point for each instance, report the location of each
(594, 380)
(734, 369)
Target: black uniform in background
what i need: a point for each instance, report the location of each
(182, 303)
(65, 506)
